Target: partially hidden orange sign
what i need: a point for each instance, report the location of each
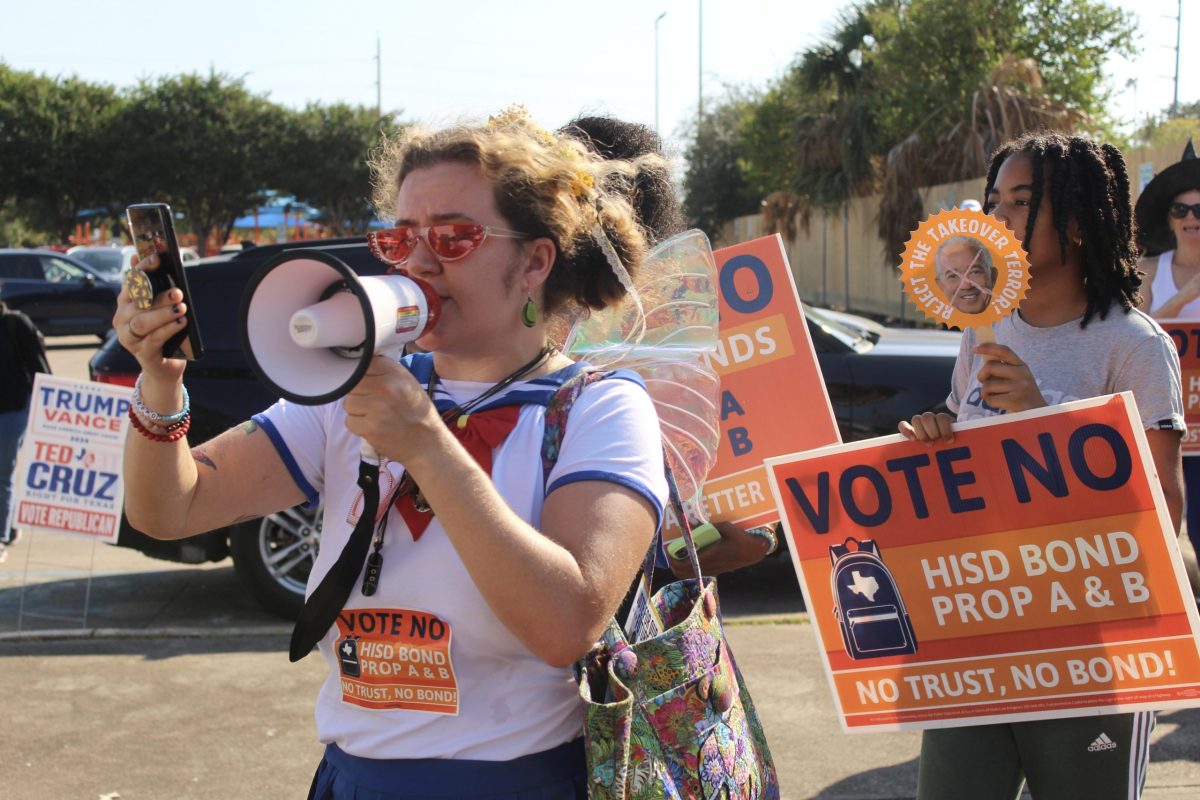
(1026, 570)
(773, 398)
(1186, 335)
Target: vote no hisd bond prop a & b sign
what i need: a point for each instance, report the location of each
(1026, 570)
(71, 478)
(1186, 335)
(964, 269)
(773, 398)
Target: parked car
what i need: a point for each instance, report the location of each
(874, 378)
(110, 261)
(62, 295)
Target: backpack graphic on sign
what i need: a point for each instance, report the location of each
(867, 603)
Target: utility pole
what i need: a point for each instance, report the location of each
(378, 78)
(700, 70)
(1178, 32)
(657, 20)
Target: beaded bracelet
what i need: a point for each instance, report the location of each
(165, 419)
(155, 427)
(174, 436)
(766, 533)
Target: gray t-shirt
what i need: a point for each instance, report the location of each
(1125, 352)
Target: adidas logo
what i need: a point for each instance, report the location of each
(1101, 744)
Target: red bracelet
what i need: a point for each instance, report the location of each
(155, 427)
(174, 436)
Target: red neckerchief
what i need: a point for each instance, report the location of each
(480, 433)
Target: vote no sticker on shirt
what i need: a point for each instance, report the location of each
(396, 658)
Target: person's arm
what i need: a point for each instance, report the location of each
(554, 588)
(1173, 306)
(172, 491)
(734, 550)
(169, 494)
(1167, 451)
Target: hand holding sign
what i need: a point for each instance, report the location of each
(965, 269)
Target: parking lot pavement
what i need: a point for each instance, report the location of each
(178, 686)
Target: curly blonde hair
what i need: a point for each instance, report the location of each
(545, 186)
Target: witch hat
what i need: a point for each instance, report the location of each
(1154, 235)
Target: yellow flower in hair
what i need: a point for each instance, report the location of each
(512, 115)
(582, 184)
(517, 115)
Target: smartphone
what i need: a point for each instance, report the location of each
(702, 535)
(153, 232)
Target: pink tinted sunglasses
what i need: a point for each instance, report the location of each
(449, 241)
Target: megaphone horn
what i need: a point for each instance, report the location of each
(310, 325)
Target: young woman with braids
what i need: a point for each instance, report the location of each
(1077, 334)
(452, 677)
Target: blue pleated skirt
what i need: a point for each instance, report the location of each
(557, 774)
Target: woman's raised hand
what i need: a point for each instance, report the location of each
(143, 332)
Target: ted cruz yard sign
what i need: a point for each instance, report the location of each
(71, 480)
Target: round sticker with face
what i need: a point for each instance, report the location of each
(964, 269)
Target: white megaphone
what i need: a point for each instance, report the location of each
(310, 325)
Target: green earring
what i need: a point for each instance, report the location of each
(529, 314)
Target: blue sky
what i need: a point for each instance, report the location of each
(441, 61)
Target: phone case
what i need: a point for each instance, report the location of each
(702, 535)
(152, 229)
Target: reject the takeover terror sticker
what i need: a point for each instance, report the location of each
(396, 658)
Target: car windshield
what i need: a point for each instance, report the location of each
(860, 339)
(58, 270)
(106, 261)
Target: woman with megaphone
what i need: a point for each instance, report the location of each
(448, 618)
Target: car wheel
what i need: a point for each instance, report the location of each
(274, 555)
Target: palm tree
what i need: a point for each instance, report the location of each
(1010, 102)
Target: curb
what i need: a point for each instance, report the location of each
(69, 634)
(282, 629)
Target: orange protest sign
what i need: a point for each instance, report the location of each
(1028, 569)
(396, 658)
(1186, 335)
(773, 399)
(964, 269)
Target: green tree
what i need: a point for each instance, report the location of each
(922, 90)
(1171, 125)
(205, 145)
(715, 186)
(55, 136)
(324, 162)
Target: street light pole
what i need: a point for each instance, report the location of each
(700, 69)
(657, 20)
(378, 77)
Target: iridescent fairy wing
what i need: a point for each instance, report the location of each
(666, 329)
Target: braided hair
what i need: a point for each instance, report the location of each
(1088, 182)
